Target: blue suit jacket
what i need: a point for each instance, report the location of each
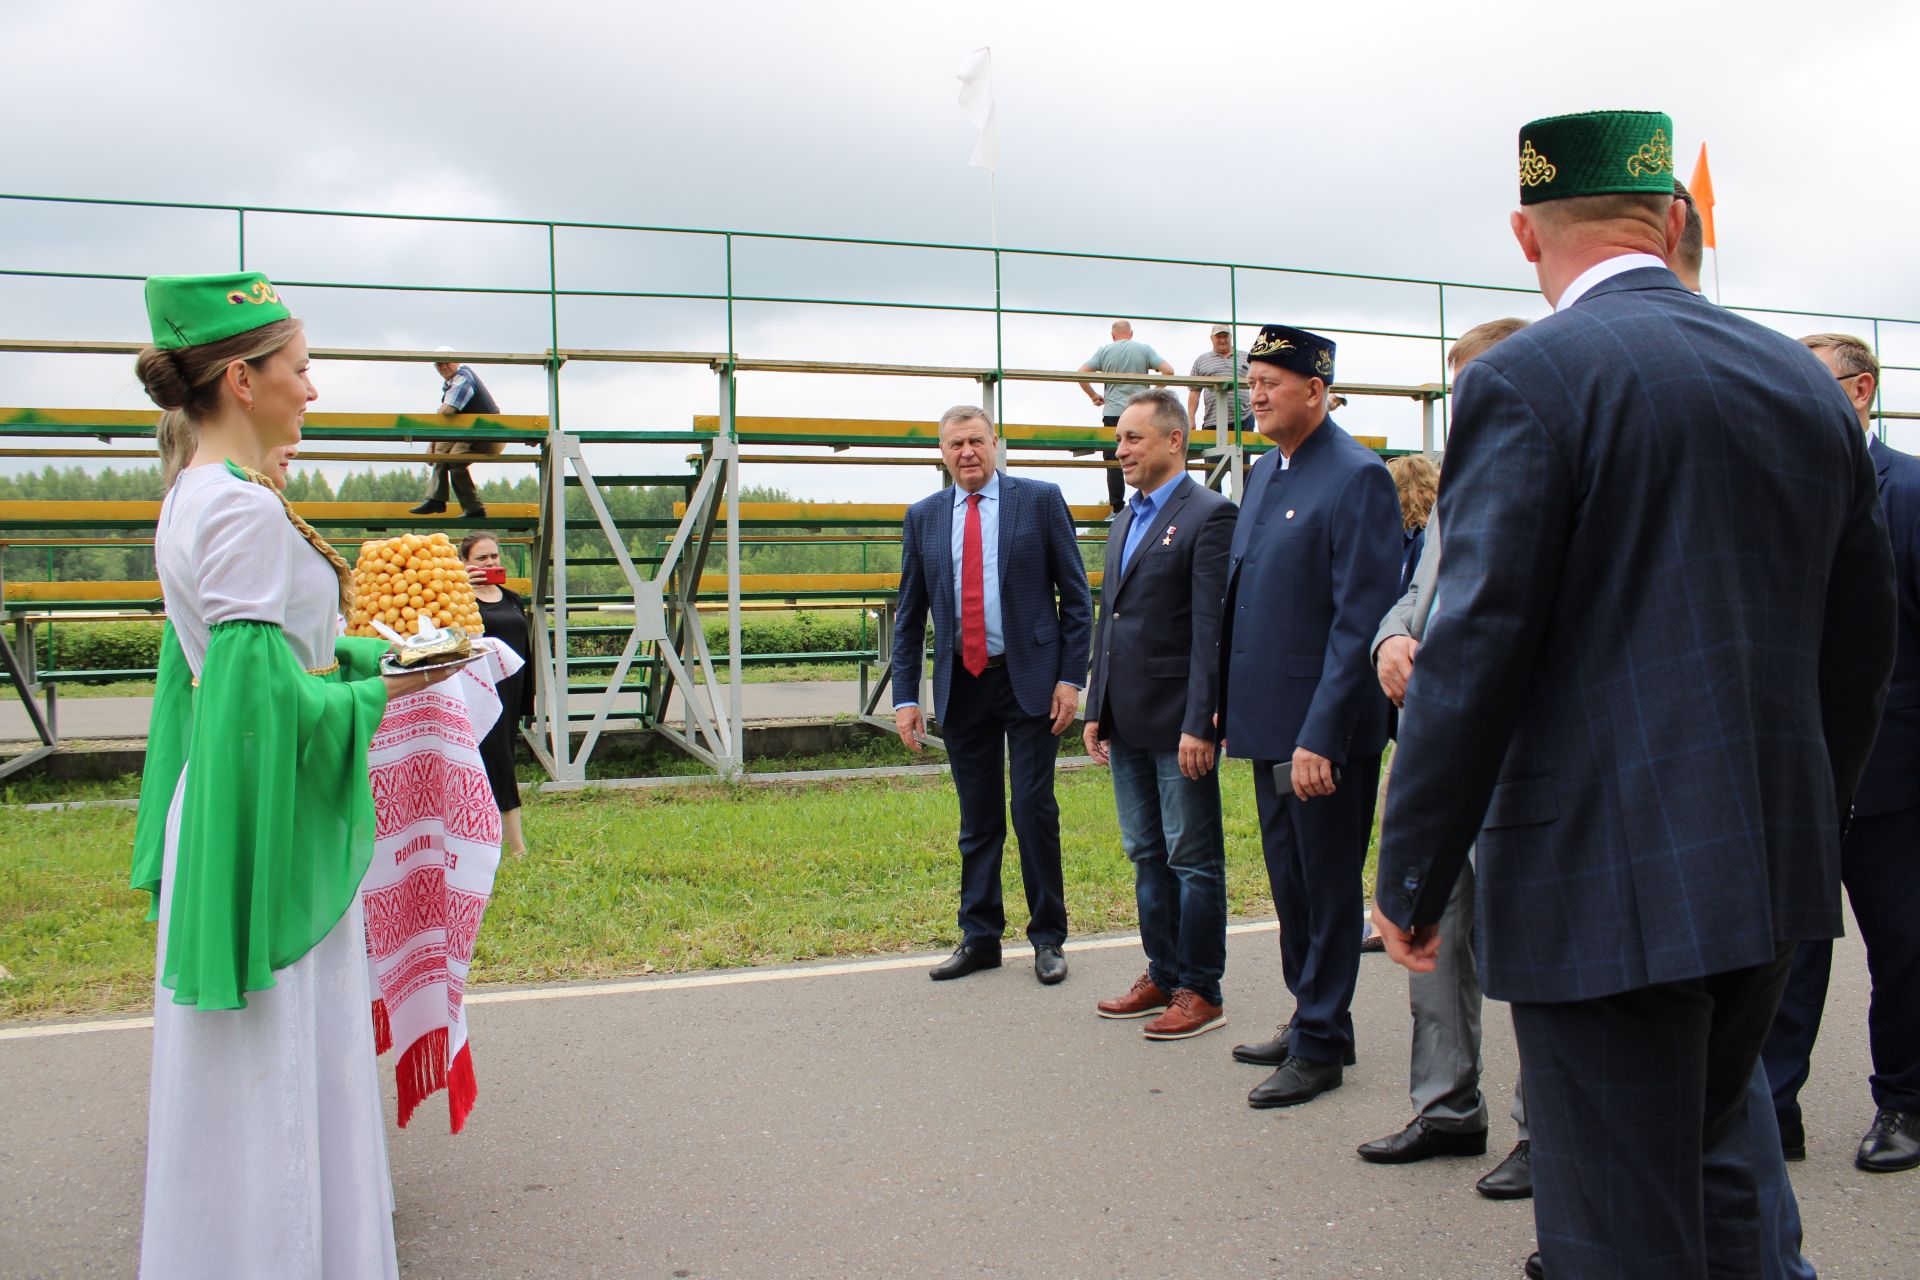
(1661, 637)
(1892, 780)
(1315, 565)
(1046, 643)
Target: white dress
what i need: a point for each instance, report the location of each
(266, 1144)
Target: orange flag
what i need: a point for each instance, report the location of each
(1701, 189)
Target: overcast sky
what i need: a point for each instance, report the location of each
(1362, 137)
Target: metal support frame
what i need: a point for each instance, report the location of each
(665, 614)
(19, 660)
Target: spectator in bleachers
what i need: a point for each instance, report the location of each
(1223, 360)
(1122, 355)
(461, 392)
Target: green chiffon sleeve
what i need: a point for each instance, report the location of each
(276, 826)
(160, 774)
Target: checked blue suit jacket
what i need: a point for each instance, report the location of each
(1046, 642)
(1661, 638)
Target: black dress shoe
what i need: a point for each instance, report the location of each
(1297, 1081)
(1048, 964)
(431, 507)
(1535, 1270)
(1793, 1139)
(1512, 1178)
(1421, 1141)
(1892, 1144)
(966, 958)
(473, 513)
(1373, 942)
(1274, 1052)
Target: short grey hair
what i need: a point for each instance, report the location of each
(1164, 411)
(963, 413)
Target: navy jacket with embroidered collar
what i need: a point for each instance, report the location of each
(1662, 633)
(1315, 565)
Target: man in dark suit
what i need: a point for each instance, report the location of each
(1150, 703)
(1877, 858)
(1315, 564)
(986, 557)
(1650, 707)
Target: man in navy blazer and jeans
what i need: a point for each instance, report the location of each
(1315, 564)
(987, 557)
(1650, 708)
(1156, 661)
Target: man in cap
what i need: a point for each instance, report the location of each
(1122, 355)
(1220, 362)
(1650, 709)
(1315, 564)
(461, 391)
(1877, 857)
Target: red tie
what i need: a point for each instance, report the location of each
(973, 593)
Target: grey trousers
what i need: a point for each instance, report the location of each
(1443, 1078)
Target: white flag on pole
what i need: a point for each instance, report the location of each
(976, 103)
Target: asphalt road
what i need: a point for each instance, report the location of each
(863, 1122)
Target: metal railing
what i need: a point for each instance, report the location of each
(665, 602)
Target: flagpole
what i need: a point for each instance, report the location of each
(993, 215)
(1716, 272)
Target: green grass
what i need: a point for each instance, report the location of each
(623, 882)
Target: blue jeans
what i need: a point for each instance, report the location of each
(1170, 828)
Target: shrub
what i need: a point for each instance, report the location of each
(102, 646)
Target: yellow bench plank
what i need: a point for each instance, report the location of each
(828, 513)
(32, 591)
(24, 511)
(20, 419)
(852, 583)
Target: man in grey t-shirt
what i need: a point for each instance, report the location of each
(1222, 361)
(1122, 355)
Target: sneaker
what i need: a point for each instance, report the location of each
(1144, 998)
(1189, 1015)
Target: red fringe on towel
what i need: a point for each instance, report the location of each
(421, 1070)
(461, 1088)
(382, 1029)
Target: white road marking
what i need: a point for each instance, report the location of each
(641, 986)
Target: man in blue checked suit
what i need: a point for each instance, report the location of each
(1651, 707)
(995, 561)
(1314, 565)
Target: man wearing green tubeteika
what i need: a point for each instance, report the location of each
(266, 1148)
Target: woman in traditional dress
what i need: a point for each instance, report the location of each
(505, 618)
(266, 1147)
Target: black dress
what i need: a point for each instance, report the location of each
(506, 620)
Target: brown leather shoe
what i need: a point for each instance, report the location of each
(1144, 998)
(1187, 1017)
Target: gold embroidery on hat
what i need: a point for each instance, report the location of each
(261, 292)
(1535, 168)
(1267, 346)
(1323, 363)
(1654, 156)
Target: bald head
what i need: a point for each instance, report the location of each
(1122, 329)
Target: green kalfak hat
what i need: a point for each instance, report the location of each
(187, 311)
(1596, 153)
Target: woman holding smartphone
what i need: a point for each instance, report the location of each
(505, 618)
